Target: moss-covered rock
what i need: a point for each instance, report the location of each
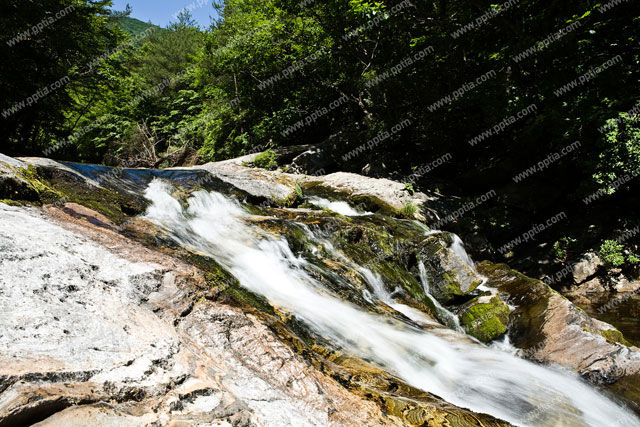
(485, 318)
(10, 202)
(46, 192)
(614, 336)
(531, 298)
(225, 285)
(72, 188)
(20, 185)
(380, 249)
(450, 277)
(50, 184)
(266, 160)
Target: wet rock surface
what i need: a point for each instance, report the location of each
(549, 329)
(387, 194)
(450, 275)
(272, 186)
(123, 339)
(586, 267)
(279, 188)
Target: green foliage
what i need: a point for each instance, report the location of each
(133, 26)
(619, 151)
(57, 62)
(267, 160)
(613, 254)
(167, 54)
(562, 246)
(409, 210)
(151, 109)
(409, 187)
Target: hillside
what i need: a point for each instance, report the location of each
(134, 26)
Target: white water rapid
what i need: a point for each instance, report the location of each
(461, 372)
(343, 208)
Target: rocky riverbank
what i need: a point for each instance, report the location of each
(107, 321)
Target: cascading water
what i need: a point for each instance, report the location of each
(343, 208)
(445, 316)
(457, 246)
(372, 279)
(464, 373)
(385, 297)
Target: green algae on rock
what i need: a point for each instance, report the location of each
(614, 336)
(17, 185)
(48, 185)
(485, 318)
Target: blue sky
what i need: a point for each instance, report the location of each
(160, 12)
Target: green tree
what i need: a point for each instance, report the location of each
(47, 47)
(619, 151)
(151, 100)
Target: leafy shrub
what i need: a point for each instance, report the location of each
(562, 246)
(267, 160)
(612, 253)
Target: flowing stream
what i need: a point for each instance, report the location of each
(462, 372)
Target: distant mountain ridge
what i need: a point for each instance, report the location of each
(134, 26)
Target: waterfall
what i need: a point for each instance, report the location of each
(458, 247)
(444, 315)
(464, 373)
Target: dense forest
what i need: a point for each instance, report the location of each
(530, 104)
